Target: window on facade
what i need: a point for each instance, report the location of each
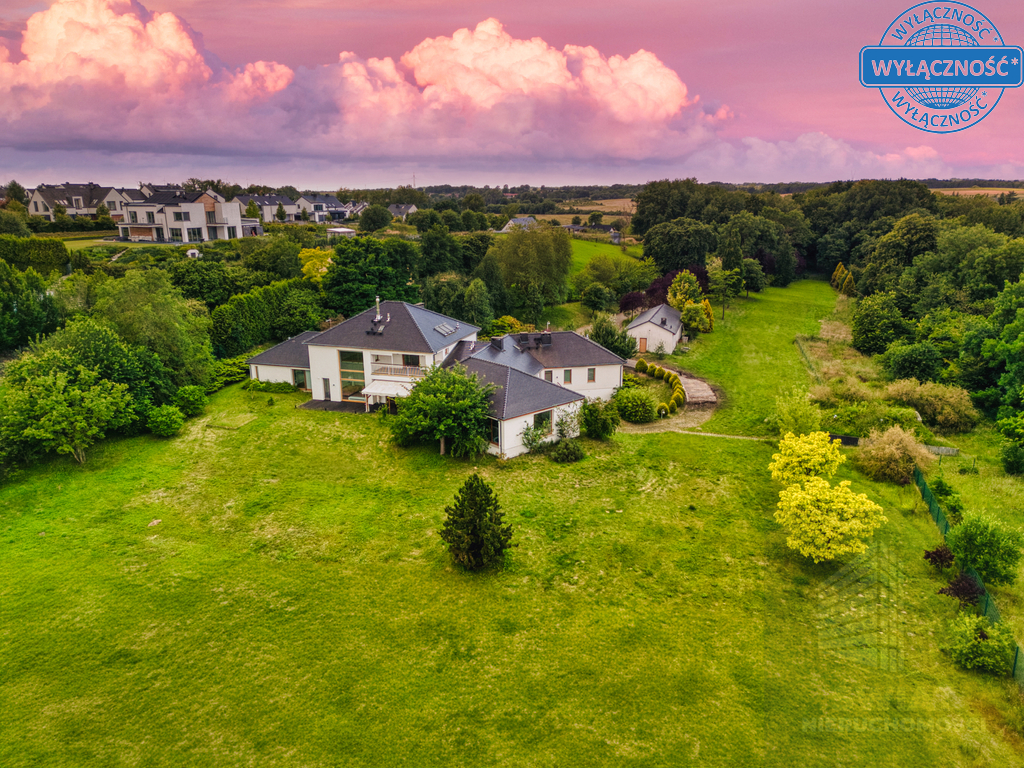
(176, 235)
(495, 431)
(150, 217)
(35, 206)
(542, 421)
(317, 207)
(112, 206)
(411, 361)
(124, 232)
(299, 377)
(211, 217)
(591, 374)
(548, 376)
(133, 217)
(77, 202)
(232, 233)
(567, 376)
(181, 216)
(352, 377)
(195, 235)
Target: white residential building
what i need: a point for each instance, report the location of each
(181, 217)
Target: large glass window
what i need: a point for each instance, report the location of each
(175, 235)
(211, 217)
(150, 217)
(299, 378)
(232, 233)
(495, 431)
(133, 217)
(195, 235)
(353, 378)
(410, 361)
(543, 421)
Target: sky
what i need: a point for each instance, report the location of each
(324, 94)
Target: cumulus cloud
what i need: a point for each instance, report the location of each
(96, 73)
(111, 76)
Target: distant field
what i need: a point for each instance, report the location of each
(990, 191)
(584, 250)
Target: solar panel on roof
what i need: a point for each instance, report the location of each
(444, 329)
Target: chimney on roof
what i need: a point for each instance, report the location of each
(377, 319)
(389, 317)
(548, 326)
(664, 321)
(497, 342)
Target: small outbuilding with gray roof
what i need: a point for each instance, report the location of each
(660, 325)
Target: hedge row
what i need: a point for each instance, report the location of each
(44, 255)
(246, 320)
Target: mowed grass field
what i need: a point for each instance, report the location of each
(584, 250)
(751, 355)
(294, 606)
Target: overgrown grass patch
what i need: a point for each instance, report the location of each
(294, 606)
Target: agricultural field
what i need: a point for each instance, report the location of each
(268, 588)
(584, 250)
(989, 191)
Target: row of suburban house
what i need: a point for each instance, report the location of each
(379, 355)
(170, 214)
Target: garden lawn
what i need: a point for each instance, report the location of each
(294, 606)
(584, 250)
(751, 355)
(77, 245)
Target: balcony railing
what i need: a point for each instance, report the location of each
(409, 371)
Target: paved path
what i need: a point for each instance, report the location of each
(698, 392)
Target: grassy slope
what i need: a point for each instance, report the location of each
(584, 250)
(751, 354)
(295, 607)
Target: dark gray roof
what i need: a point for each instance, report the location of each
(409, 329)
(265, 199)
(134, 195)
(561, 349)
(522, 221)
(170, 197)
(62, 194)
(656, 314)
(400, 209)
(325, 199)
(288, 354)
(519, 393)
(508, 353)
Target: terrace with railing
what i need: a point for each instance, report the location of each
(407, 371)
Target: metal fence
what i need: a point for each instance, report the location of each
(807, 359)
(986, 603)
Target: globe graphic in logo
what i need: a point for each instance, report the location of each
(942, 98)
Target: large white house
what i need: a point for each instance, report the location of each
(77, 199)
(660, 325)
(380, 354)
(268, 205)
(181, 217)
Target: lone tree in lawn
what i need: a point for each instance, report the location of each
(473, 528)
(448, 404)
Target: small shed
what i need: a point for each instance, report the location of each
(658, 325)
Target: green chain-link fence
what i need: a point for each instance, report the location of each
(986, 604)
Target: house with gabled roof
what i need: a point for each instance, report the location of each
(268, 206)
(520, 222)
(401, 211)
(378, 356)
(181, 217)
(321, 208)
(381, 353)
(658, 326)
(77, 199)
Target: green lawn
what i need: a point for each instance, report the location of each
(294, 606)
(77, 245)
(751, 355)
(584, 250)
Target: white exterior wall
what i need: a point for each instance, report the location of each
(607, 378)
(272, 373)
(323, 364)
(655, 334)
(511, 431)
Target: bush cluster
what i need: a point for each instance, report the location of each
(975, 643)
(892, 455)
(949, 500)
(635, 405)
(43, 254)
(567, 452)
(252, 318)
(946, 408)
(276, 387)
(599, 419)
(165, 421)
(190, 400)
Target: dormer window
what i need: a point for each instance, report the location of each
(77, 202)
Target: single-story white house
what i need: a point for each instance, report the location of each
(657, 325)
